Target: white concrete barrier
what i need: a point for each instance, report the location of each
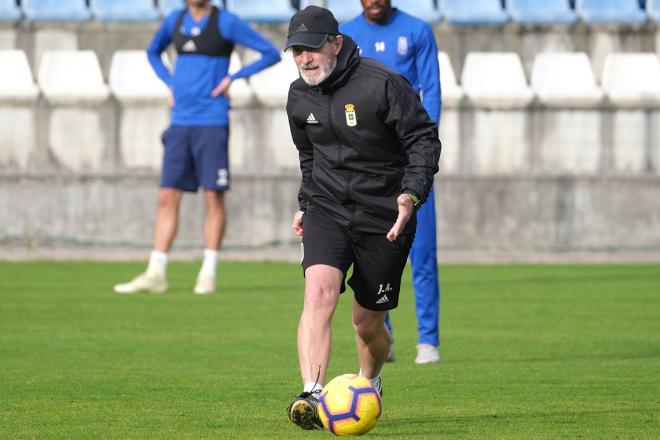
(18, 95)
(271, 86)
(495, 85)
(570, 140)
(143, 111)
(73, 86)
(452, 93)
(632, 85)
(240, 93)
(450, 133)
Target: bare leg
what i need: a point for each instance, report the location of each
(214, 222)
(322, 284)
(167, 218)
(372, 339)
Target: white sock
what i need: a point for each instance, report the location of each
(210, 264)
(375, 381)
(157, 262)
(313, 387)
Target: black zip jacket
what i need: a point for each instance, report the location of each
(363, 138)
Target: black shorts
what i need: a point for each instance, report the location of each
(377, 262)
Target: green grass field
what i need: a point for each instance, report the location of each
(528, 352)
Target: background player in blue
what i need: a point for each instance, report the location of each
(406, 44)
(195, 144)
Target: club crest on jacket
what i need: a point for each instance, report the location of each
(351, 118)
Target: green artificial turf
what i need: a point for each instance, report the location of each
(527, 352)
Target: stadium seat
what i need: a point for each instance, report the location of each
(9, 11)
(15, 77)
(632, 79)
(565, 80)
(452, 93)
(541, 11)
(56, 10)
(131, 77)
(125, 10)
(610, 11)
(424, 9)
(262, 11)
(343, 10)
(474, 12)
(71, 76)
(495, 80)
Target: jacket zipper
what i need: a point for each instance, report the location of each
(338, 140)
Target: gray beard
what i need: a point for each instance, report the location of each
(326, 71)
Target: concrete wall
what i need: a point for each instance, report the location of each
(530, 179)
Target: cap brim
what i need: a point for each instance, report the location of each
(306, 39)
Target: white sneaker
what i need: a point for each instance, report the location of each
(427, 354)
(204, 285)
(145, 282)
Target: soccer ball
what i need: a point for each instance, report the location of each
(349, 405)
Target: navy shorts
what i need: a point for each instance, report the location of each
(377, 262)
(195, 156)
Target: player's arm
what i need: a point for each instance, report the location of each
(418, 135)
(162, 38)
(238, 31)
(306, 155)
(428, 71)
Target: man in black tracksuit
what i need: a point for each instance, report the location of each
(368, 152)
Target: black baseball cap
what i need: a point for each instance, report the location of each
(311, 27)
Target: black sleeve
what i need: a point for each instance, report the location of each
(305, 152)
(418, 135)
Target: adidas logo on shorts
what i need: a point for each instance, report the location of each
(382, 299)
(311, 119)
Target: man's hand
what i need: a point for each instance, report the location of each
(170, 98)
(406, 210)
(221, 88)
(298, 224)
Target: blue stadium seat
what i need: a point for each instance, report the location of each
(610, 11)
(167, 6)
(343, 10)
(424, 9)
(125, 10)
(9, 11)
(262, 11)
(56, 10)
(474, 12)
(541, 11)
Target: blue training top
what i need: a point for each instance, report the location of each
(195, 76)
(406, 45)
